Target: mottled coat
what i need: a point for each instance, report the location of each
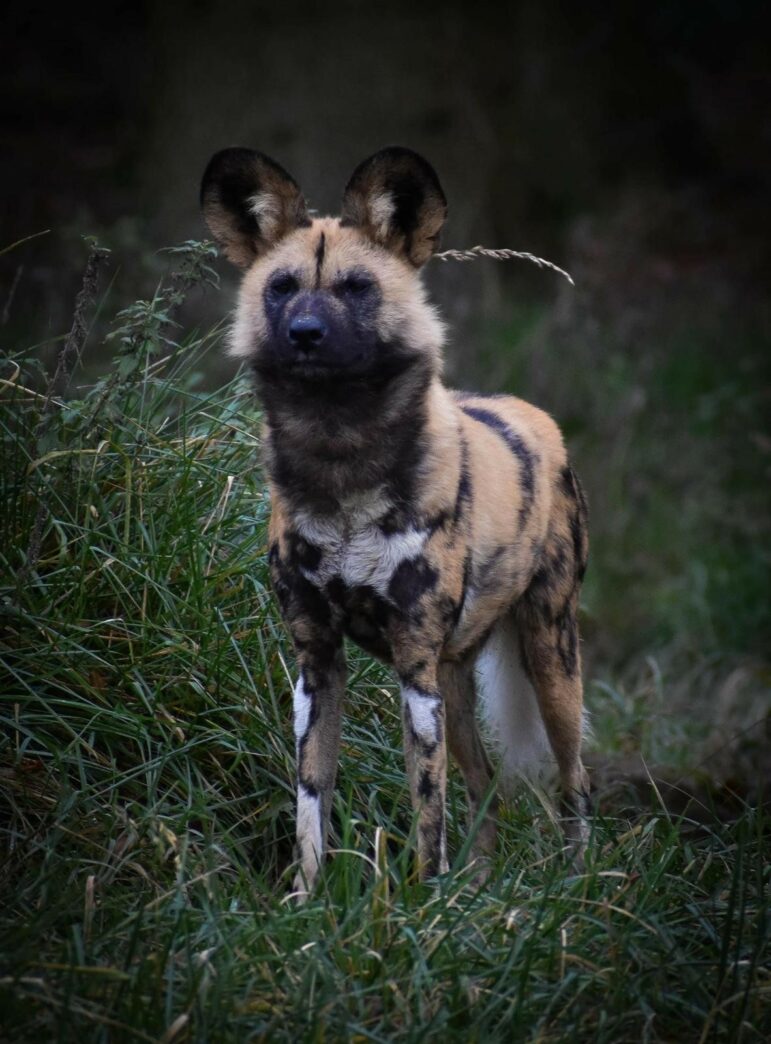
(443, 532)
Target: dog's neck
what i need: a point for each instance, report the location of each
(331, 445)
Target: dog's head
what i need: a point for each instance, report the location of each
(329, 298)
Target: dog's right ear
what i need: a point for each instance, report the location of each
(395, 198)
(249, 202)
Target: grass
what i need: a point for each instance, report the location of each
(146, 762)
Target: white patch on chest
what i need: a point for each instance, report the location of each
(353, 546)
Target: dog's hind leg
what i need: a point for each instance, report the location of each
(456, 683)
(547, 622)
(551, 659)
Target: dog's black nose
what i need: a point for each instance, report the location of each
(307, 331)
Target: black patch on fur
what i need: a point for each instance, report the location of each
(409, 450)
(467, 561)
(298, 597)
(410, 676)
(365, 632)
(426, 786)
(395, 520)
(307, 786)
(567, 641)
(361, 630)
(541, 583)
(578, 519)
(485, 574)
(303, 554)
(567, 484)
(432, 833)
(310, 600)
(579, 543)
(449, 610)
(319, 654)
(559, 558)
(437, 522)
(460, 395)
(463, 496)
(365, 601)
(410, 581)
(518, 447)
(579, 551)
(366, 617)
(336, 590)
(320, 251)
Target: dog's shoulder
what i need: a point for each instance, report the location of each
(509, 414)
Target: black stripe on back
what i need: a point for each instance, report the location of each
(518, 447)
(464, 481)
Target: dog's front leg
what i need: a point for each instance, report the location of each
(425, 752)
(318, 704)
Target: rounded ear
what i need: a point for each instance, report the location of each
(249, 202)
(395, 197)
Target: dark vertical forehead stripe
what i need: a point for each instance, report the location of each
(320, 252)
(518, 447)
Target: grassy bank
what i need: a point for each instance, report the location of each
(146, 759)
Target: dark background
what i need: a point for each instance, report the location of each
(628, 144)
(538, 115)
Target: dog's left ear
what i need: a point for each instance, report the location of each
(249, 203)
(396, 199)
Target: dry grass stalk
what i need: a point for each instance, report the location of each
(68, 356)
(502, 254)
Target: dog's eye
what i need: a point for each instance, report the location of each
(355, 284)
(284, 285)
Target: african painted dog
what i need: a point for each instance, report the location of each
(443, 532)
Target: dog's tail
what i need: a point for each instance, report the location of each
(509, 710)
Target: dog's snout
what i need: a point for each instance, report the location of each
(307, 331)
